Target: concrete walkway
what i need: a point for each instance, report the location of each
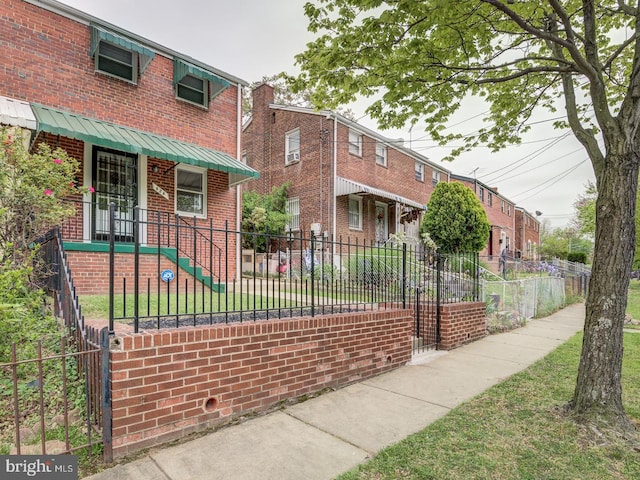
(330, 434)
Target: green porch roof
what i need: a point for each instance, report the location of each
(110, 135)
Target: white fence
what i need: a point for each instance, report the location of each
(512, 303)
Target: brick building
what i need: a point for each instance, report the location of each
(345, 180)
(527, 234)
(501, 214)
(151, 128)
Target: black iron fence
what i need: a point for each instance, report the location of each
(86, 352)
(54, 404)
(264, 276)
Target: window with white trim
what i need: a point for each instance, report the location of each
(509, 210)
(116, 61)
(489, 199)
(481, 194)
(194, 90)
(293, 213)
(191, 191)
(419, 170)
(381, 154)
(435, 178)
(355, 143)
(292, 146)
(502, 206)
(355, 212)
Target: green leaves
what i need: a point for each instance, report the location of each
(455, 219)
(33, 189)
(421, 58)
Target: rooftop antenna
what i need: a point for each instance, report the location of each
(474, 173)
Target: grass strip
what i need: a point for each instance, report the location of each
(516, 430)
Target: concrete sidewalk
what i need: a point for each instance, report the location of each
(329, 434)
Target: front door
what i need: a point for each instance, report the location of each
(115, 179)
(382, 222)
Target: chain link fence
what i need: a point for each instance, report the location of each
(511, 303)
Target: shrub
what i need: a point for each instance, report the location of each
(578, 257)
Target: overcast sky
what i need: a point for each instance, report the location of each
(253, 38)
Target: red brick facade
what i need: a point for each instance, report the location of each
(167, 384)
(501, 213)
(47, 61)
(527, 235)
(324, 154)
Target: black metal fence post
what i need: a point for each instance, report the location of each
(112, 249)
(313, 269)
(404, 275)
(439, 268)
(136, 268)
(106, 397)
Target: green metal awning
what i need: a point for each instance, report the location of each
(110, 135)
(98, 35)
(181, 69)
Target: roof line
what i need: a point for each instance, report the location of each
(371, 133)
(85, 18)
(482, 184)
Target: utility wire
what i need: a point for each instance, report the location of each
(542, 164)
(524, 160)
(556, 179)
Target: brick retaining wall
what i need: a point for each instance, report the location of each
(461, 323)
(169, 383)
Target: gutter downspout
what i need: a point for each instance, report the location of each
(238, 187)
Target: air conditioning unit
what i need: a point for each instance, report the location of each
(315, 229)
(293, 157)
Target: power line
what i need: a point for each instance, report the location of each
(524, 160)
(556, 180)
(542, 165)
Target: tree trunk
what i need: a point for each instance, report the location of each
(598, 393)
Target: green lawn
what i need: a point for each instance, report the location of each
(633, 302)
(516, 430)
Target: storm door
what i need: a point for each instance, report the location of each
(382, 223)
(115, 179)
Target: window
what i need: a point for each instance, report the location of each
(381, 154)
(118, 56)
(502, 206)
(116, 61)
(293, 212)
(481, 194)
(193, 90)
(355, 213)
(292, 146)
(489, 199)
(419, 172)
(509, 210)
(355, 143)
(196, 85)
(435, 178)
(191, 191)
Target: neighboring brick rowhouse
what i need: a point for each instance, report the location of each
(461, 323)
(322, 157)
(169, 383)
